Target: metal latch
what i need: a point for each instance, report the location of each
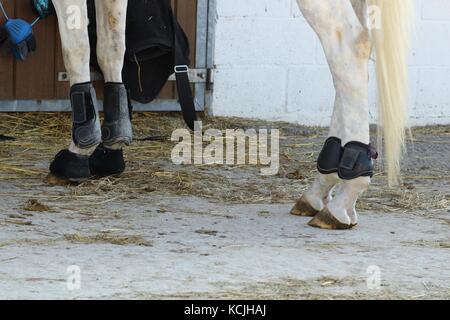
(195, 75)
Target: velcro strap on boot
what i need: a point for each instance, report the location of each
(330, 156)
(116, 103)
(357, 161)
(79, 110)
(86, 131)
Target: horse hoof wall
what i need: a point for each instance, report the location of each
(303, 209)
(325, 220)
(53, 180)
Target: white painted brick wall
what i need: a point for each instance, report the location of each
(270, 65)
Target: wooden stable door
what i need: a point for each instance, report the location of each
(37, 77)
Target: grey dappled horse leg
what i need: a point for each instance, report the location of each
(347, 46)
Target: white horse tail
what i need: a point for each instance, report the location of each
(391, 38)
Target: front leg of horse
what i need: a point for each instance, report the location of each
(117, 132)
(73, 163)
(345, 163)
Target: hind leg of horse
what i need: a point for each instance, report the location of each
(317, 196)
(347, 47)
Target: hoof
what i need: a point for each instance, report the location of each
(303, 209)
(325, 220)
(106, 162)
(53, 180)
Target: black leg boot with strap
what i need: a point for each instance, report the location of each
(117, 131)
(86, 134)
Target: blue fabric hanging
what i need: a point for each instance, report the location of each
(21, 37)
(20, 32)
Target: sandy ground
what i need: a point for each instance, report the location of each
(163, 231)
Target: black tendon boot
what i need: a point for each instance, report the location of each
(86, 134)
(116, 130)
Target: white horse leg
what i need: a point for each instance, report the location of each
(73, 21)
(117, 131)
(73, 163)
(317, 196)
(111, 24)
(347, 46)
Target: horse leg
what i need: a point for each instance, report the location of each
(347, 47)
(73, 21)
(317, 196)
(111, 24)
(116, 129)
(73, 163)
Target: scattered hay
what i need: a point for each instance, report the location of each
(39, 136)
(296, 175)
(431, 130)
(431, 244)
(16, 216)
(327, 281)
(207, 232)
(35, 205)
(18, 222)
(28, 242)
(264, 213)
(120, 240)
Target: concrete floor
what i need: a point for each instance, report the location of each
(196, 249)
(162, 244)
